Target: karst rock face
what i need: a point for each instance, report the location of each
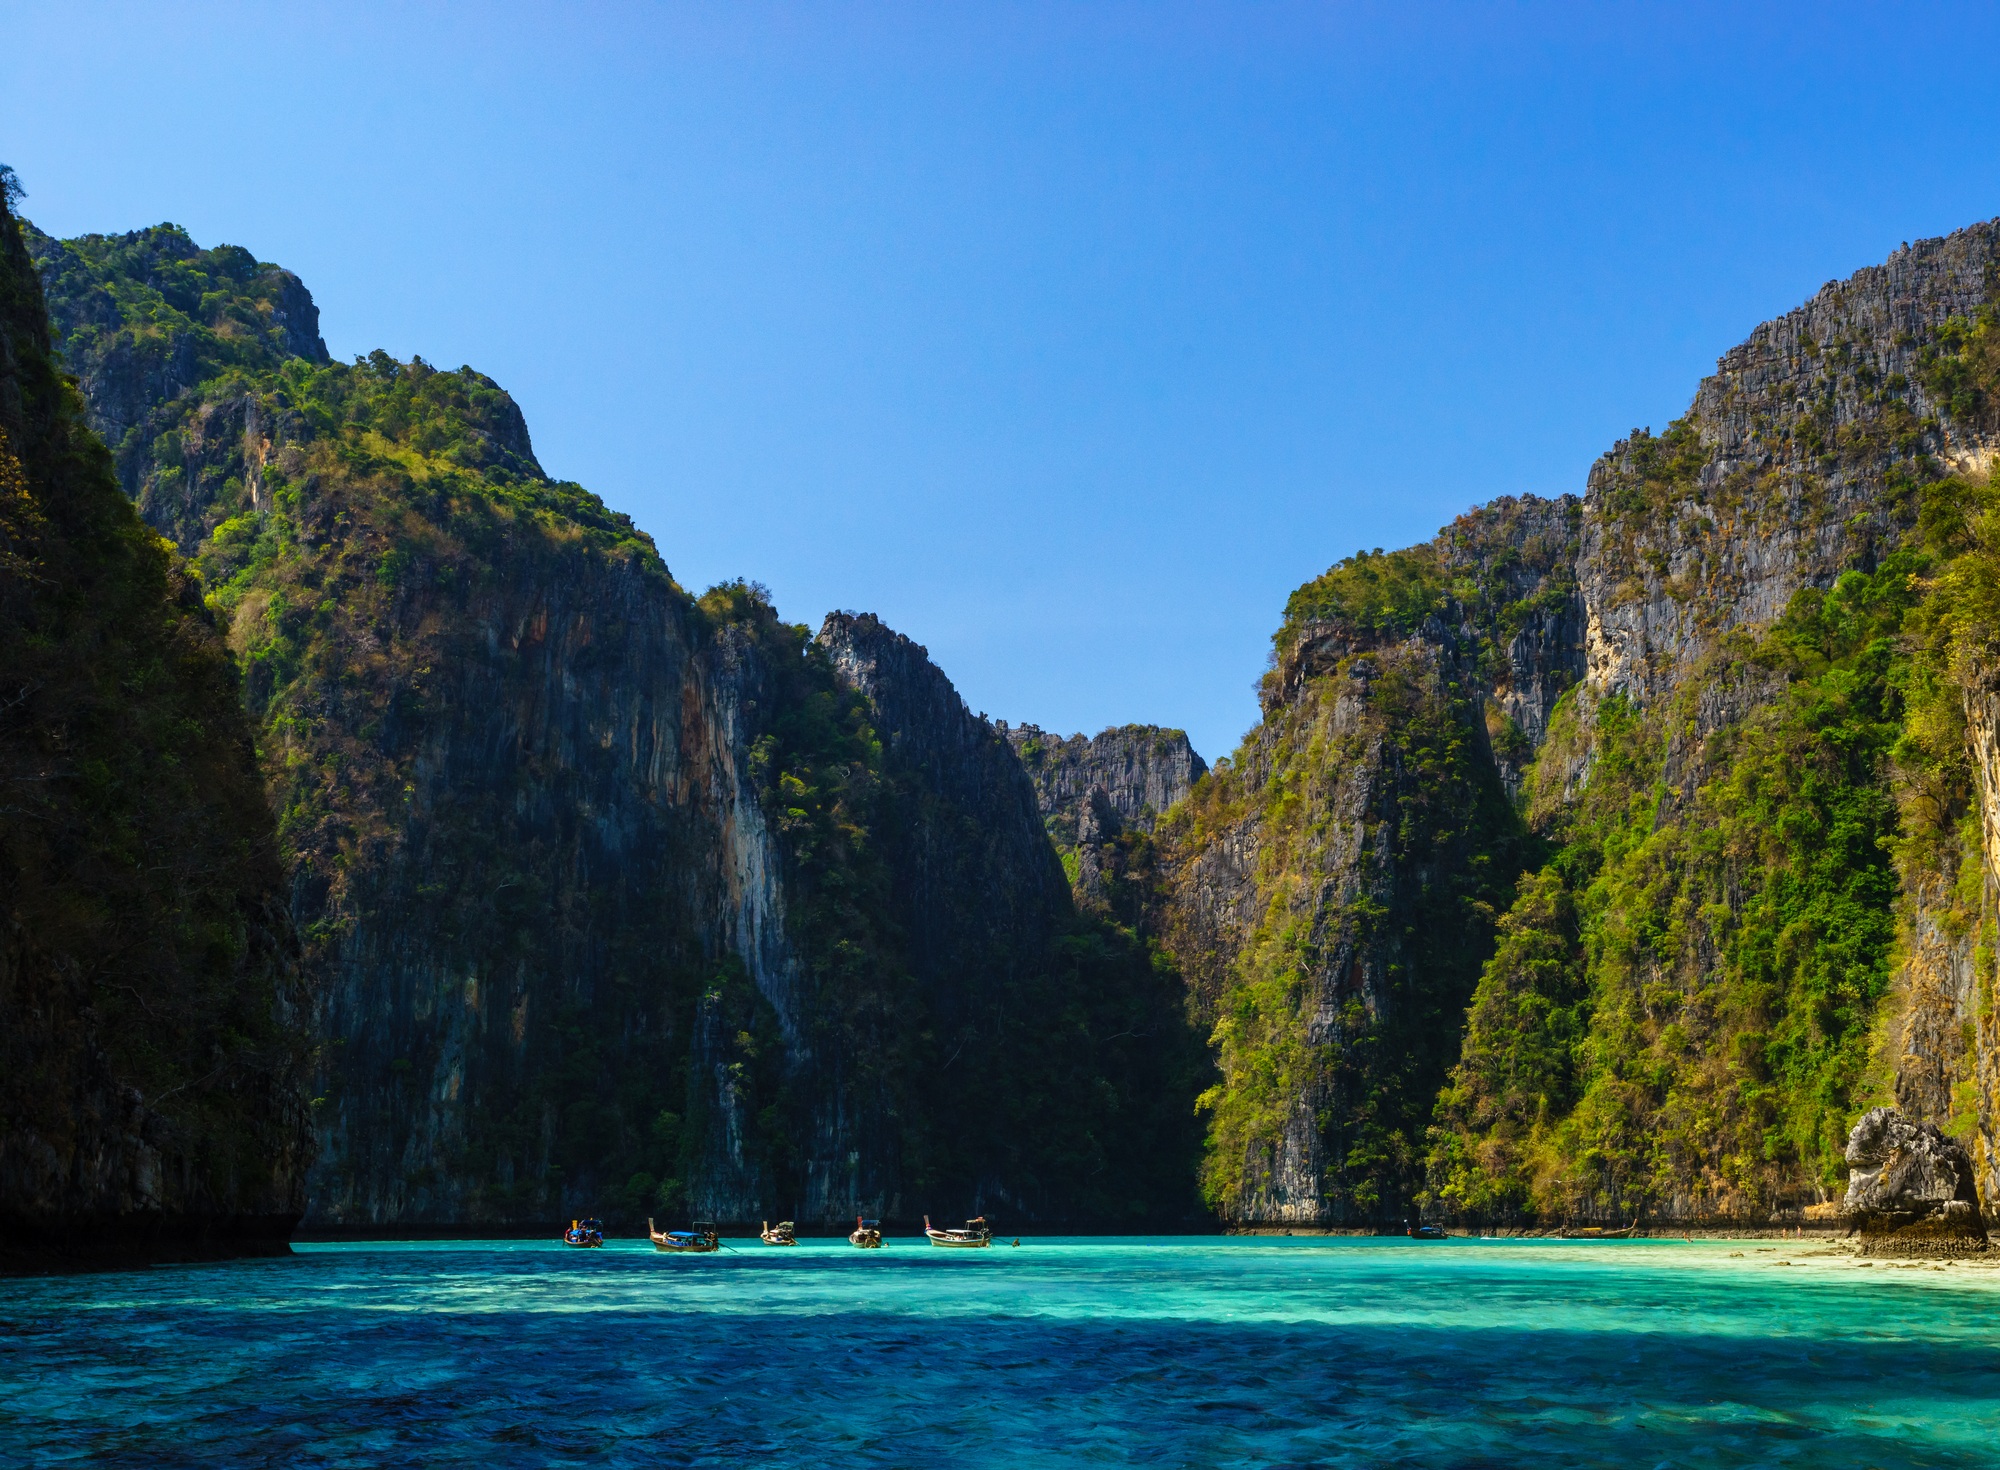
(1910, 1187)
(613, 899)
(1142, 771)
(1581, 861)
(1657, 675)
(1101, 799)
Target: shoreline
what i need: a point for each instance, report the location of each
(1809, 1232)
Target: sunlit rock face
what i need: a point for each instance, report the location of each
(1911, 1188)
(1633, 624)
(1141, 770)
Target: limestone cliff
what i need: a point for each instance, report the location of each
(1330, 889)
(151, 1051)
(1736, 693)
(618, 900)
(1141, 769)
(1100, 800)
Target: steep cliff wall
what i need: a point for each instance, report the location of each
(1141, 769)
(1100, 800)
(1766, 911)
(1737, 691)
(619, 900)
(1055, 1070)
(1798, 459)
(151, 1055)
(1330, 890)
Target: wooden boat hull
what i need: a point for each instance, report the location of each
(954, 1241)
(970, 1238)
(683, 1242)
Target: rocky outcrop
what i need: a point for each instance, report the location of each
(1779, 476)
(1330, 892)
(1141, 771)
(1100, 800)
(132, 366)
(1910, 1189)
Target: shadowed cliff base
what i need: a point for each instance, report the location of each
(39, 1244)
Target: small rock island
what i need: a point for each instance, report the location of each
(1910, 1189)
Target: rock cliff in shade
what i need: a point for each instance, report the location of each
(1738, 693)
(616, 899)
(151, 1058)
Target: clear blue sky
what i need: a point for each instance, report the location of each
(1067, 338)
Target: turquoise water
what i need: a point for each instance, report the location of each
(1210, 1352)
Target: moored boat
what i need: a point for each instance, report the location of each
(584, 1235)
(697, 1241)
(1428, 1232)
(867, 1234)
(976, 1235)
(1599, 1232)
(782, 1233)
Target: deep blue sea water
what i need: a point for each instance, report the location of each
(1160, 1352)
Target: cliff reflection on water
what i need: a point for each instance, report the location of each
(1157, 1352)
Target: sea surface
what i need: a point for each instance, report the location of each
(1156, 1352)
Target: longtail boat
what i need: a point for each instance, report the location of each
(781, 1233)
(1428, 1232)
(698, 1241)
(1598, 1232)
(867, 1234)
(584, 1235)
(976, 1235)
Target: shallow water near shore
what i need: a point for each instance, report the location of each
(1189, 1352)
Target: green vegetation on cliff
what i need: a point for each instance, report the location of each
(1748, 932)
(509, 758)
(1385, 847)
(1680, 1006)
